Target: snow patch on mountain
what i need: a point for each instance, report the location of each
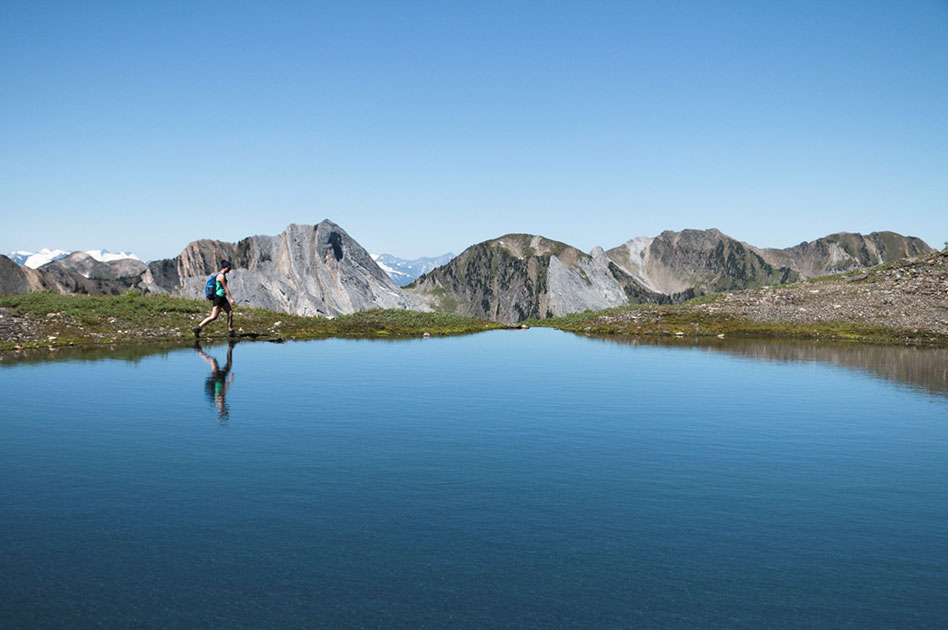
(104, 255)
(394, 274)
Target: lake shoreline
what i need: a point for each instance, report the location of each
(904, 303)
(54, 333)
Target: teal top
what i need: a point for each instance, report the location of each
(219, 289)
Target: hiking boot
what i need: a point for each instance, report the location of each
(197, 331)
(231, 333)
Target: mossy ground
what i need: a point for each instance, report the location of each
(50, 319)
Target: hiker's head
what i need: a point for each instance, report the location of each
(225, 266)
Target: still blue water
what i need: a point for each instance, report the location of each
(509, 479)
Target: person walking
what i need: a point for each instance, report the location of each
(223, 300)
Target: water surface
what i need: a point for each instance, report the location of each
(508, 479)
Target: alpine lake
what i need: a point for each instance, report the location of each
(509, 479)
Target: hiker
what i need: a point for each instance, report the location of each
(218, 292)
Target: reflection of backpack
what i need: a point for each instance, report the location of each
(210, 287)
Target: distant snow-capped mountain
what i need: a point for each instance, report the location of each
(104, 255)
(403, 271)
(37, 259)
(33, 260)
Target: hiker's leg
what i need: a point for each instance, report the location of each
(214, 313)
(230, 316)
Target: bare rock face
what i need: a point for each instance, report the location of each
(198, 258)
(15, 279)
(307, 270)
(585, 285)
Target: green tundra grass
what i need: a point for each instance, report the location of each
(56, 320)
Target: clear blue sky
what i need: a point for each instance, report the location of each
(426, 127)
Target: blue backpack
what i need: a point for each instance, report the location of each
(210, 287)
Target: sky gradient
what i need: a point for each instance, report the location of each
(427, 127)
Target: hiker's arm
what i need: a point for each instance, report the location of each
(227, 290)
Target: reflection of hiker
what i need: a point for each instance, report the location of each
(217, 384)
(218, 292)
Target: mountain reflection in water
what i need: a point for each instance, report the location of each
(921, 368)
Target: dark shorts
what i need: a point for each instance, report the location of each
(221, 300)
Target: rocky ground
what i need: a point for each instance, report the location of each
(56, 329)
(910, 295)
(14, 329)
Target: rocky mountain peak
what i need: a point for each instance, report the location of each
(307, 269)
(88, 266)
(523, 246)
(518, 276)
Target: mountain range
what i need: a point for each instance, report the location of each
(404, 271)
(522, 276)
(34, 260)
(320, 270)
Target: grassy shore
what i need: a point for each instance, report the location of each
(43, 319)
